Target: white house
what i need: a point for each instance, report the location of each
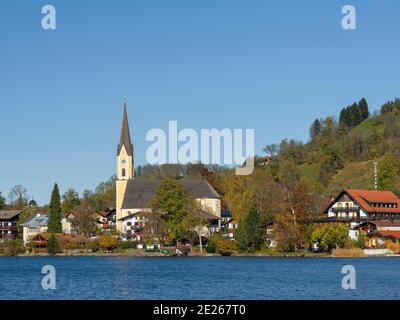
(38, 224)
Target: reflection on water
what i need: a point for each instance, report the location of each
(198, 278)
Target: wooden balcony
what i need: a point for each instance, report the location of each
(6, 228)
(345, 209)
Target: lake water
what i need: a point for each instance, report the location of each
(198, 278)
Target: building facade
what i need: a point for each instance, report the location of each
(34, 225)
(8, 224)
(37, 224)
(357, 208)
(133, 196)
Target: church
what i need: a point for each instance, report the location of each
(133, 196)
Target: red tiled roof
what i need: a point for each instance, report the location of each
(389, 233)
(364, 197)
(386, 223)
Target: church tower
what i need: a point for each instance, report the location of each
(125, 167)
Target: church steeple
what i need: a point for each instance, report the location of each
(125, 169)
(125, 139)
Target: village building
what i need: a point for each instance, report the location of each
(34, 225)
(8, 224)
(359, 205)
(380, 232)
(375, 213)
(39, 241)
(105, 220)
(133, 196)
(38, 224)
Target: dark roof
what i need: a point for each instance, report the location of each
(125, 139)
(139, 193)
(139, 213)
(207, 215)
(106, 213)
(9, 214)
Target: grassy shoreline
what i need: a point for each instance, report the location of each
(158, 254)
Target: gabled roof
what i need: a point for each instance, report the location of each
(125, 139)
(39, 220)
(9, 214)
(139, 213)
(46, 236)
(139, 193)
(207, 215)
(388, 234)
(365, 197)
(106, 213)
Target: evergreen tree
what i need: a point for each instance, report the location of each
(54, 224)
(354, 114)
(363, 109)
(2, 201)
(52, 245)
(342, 116)
(250, 234)
(315, 129)
(345, 118)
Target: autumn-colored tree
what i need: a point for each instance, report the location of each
(266, 194)
(289, 178)
(108, 242)
(197, 223)
(83, 221)
(70, 200)
(330, 236)
(238, 194)
(292, 224)
(388, 169)
(226, 247)
(155, 229)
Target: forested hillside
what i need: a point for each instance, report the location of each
(340, 153)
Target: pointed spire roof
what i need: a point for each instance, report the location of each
(125, 139)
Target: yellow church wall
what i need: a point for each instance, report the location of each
(121, 187)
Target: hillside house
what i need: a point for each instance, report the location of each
(8, 224)
(353, 206)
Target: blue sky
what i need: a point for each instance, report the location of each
(269, 65)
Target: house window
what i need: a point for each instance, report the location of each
(123, 172)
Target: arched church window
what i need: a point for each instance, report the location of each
(123, 172)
